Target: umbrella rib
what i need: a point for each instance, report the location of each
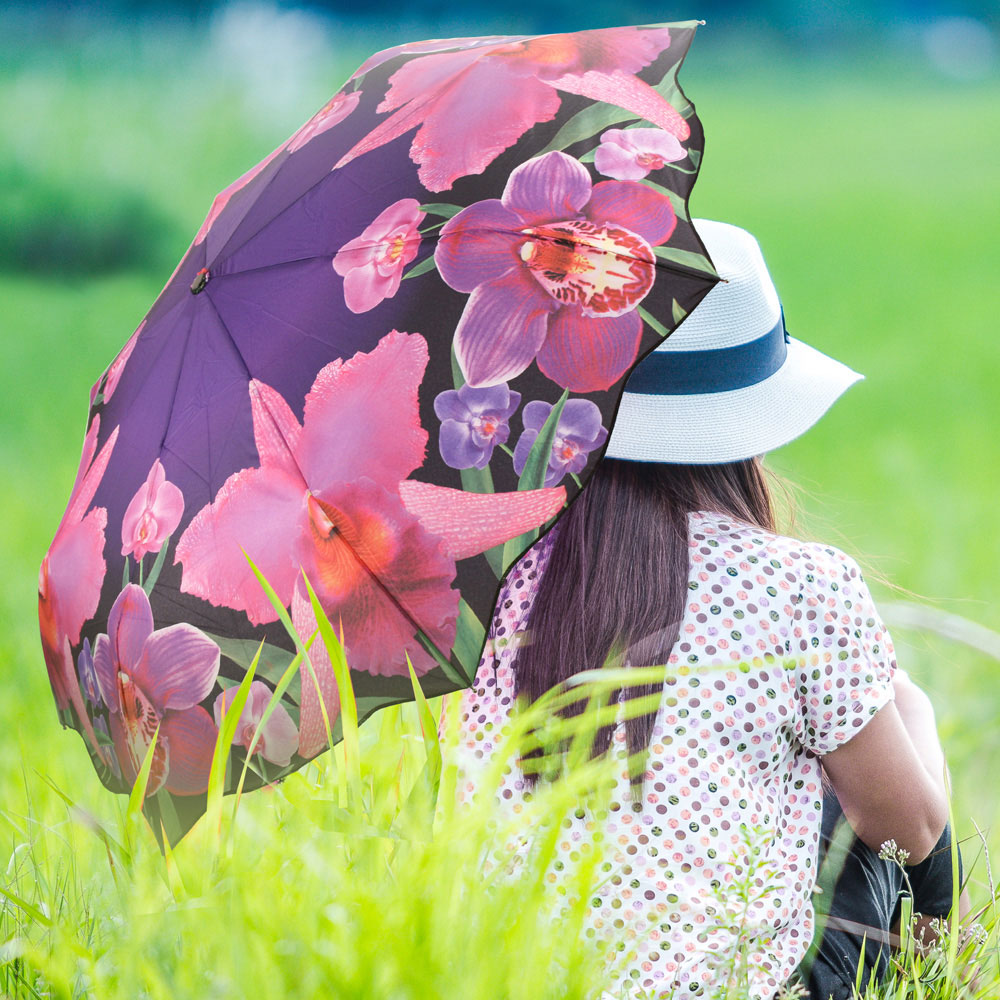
(280, 263)
(400, 607)
(658, 263)
(268, 313)
(350, 548)
(227, 250)
(271, 265)
(250, 204)
(688, 272)
(154, 371)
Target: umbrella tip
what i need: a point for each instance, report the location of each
(200, 281)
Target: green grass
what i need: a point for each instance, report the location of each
(343, 903)
(875, 199)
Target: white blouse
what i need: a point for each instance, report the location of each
(781, 658)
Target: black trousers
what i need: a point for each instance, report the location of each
(867, 892)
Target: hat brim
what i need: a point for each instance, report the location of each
(710, 428)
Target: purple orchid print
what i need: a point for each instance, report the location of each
(88, 675)
(92, 692)
(152, 515)
(473, 422)
(372, 264)
(555, 268)
(279, 738)
(479, 99)
(151, 678)
(632, 154)
(578, 433)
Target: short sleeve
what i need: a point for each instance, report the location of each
(840, 651)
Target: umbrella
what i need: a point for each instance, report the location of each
(389, 358)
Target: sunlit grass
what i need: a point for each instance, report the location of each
(384, 886)
(391, 890)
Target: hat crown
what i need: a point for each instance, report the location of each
(741, 307)
(728, 383)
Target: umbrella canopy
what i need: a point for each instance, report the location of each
(389, 358)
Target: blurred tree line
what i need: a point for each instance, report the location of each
(794, 19)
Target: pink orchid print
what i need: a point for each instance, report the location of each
(372, 263)
(152, 515)
(331, 500)
(113, 375)
(71, 574)
(578, 433)
(279, 738)
(475, 101)
(632, 154)
(156, 678)
(556, 268)
(332, 113)
(431, 45)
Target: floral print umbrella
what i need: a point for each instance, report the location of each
(385, 364)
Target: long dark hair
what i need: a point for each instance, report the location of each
(617, 578)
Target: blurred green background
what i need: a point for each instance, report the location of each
(860, 143)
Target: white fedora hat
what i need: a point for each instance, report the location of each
(728, 383)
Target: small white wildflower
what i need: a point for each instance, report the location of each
(975, 932)
(891, 851)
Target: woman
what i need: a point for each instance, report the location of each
(779, 670)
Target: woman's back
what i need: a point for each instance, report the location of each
(780, 656)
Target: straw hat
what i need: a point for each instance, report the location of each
(729, 383)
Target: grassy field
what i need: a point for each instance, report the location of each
(876, 197)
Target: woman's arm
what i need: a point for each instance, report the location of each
(917, 715)
(890, 778)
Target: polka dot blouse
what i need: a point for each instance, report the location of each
(781, 658)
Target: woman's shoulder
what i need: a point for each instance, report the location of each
(717, 539)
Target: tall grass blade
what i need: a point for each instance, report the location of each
(32, 911)
(113, 846)
(861, 966)
(416, 817)
(428, 727)
(348, 704)
(826, 883)
(449, 730)
(956, 890)
(286, 620)
(138, 794)
(283, 683)
(224, 744)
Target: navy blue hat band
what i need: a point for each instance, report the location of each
(689, 373)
